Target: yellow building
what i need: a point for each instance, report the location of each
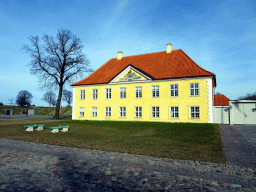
(164, 86)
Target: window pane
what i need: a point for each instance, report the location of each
(172, 92)
(176, 92)
(196, 85)
(192, 85)
(196, 92)
(192, 92)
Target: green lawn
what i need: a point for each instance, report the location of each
(188, 141)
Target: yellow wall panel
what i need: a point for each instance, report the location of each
(183, 101)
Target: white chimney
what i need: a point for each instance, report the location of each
(169, 48)
(120, 55)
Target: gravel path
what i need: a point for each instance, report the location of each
(28, 166)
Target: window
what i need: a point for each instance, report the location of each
(174, 90)
(194, 89)
(94, 111)
(138, 92)
(108, 93)
(95, 94)
(107, 111)
(155, 91)
(195, 113)
(122, 111)
(138, 111)
(81, 111)
(82, 94)
(174, 112)
(122, 92)
(155, 112)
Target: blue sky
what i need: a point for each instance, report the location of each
(218, 35)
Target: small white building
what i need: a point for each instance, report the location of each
(221, 109)
(232, 112)
(30, 111)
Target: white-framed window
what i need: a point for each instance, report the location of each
(122, 111)
(81, 111)
(155, 91)
(107, 111)
(138, 92)
(194, 89)
(95, 94)
(174, 90)
(138, 111)
(94, 111)
(155, 112)
(122, 92)
(108, 93)
(82, 94)
(194, 112)
(174, 112)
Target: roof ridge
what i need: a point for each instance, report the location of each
(147, 53)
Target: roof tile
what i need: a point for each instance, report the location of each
(221, 100)
(159, 65)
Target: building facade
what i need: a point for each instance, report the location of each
(165, 86)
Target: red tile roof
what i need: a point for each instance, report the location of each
(159, 65)
(221, 100)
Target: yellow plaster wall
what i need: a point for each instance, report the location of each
(184, 101)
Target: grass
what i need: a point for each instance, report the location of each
(64, 111)
(187, 141)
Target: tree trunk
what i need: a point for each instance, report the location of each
(58, 103)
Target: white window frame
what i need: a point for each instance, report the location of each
(174, 112)
(138, 112)
(174, 90)
(138, 92)
(82, 94)
(108, 93)
(81, 111)
(107, 111)
(122, 92)
(95, 94)
(155, 112)
(194, 112)
(94, 111)
(193, 89)
(122, 112)
(155, 91)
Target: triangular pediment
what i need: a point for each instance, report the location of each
(130, 74)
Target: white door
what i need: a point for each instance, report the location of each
(250, 116)
(221, 115)
(243, 114)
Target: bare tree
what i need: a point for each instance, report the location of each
(248, 97)
(11, 101)
(67, 96)
(57, 62)
(24, 98)
(49, 97)
(54, 103)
